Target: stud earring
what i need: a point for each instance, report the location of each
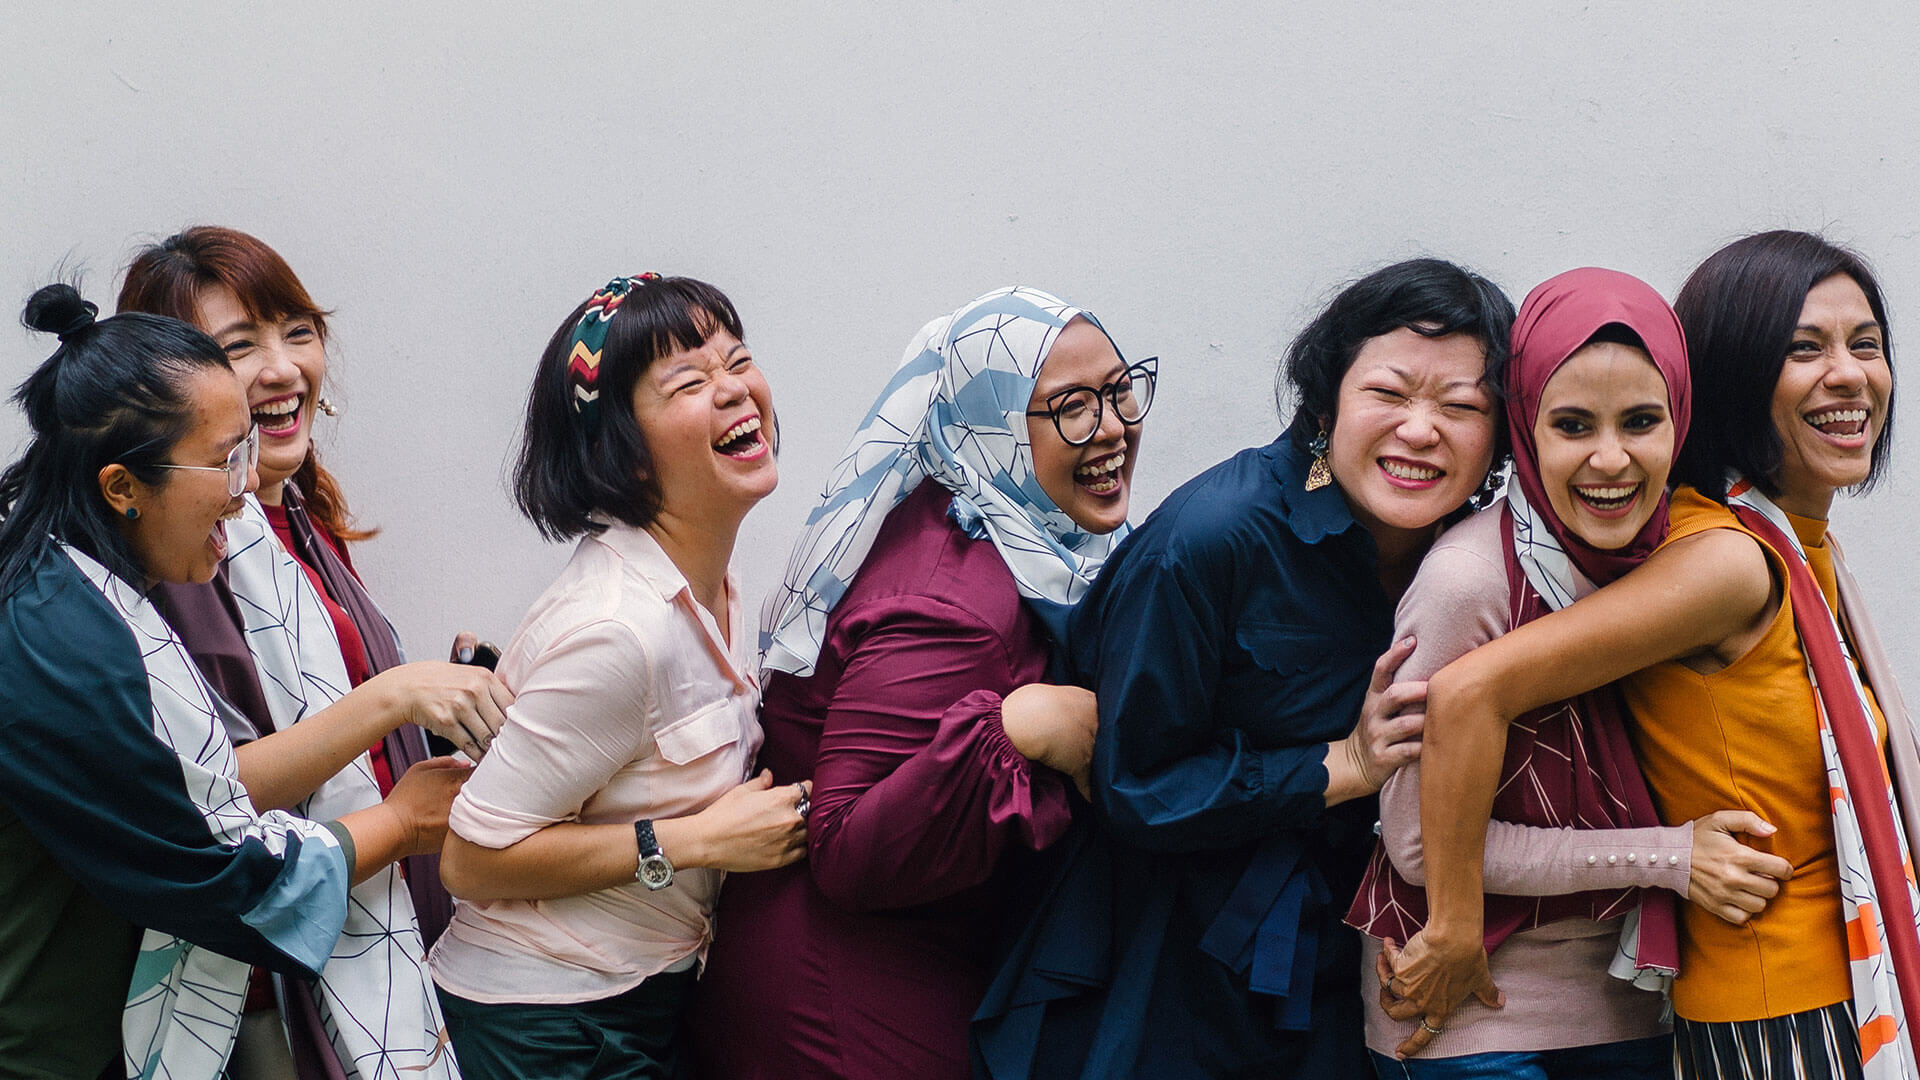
(327, 407)
(1319, 474)
(133, 512)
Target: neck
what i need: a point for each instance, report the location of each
(270, 494)
(700, 549)
(1399, 554)
(1815, 504)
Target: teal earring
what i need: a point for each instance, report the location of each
(133, 512)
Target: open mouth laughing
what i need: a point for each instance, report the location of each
(1844, 424)
(1607, 500)
(1101, 476)
(279, 417)
(1410, 474)
(743, 441)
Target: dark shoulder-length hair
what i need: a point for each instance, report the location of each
(1739, 310)
(114, 391)
(570, 469)
(167, 278)
(1431, 297)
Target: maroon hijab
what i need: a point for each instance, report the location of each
(1559, 316)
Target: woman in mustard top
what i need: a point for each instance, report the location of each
(1723, 636)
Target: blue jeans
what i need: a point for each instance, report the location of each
(1635, 1059)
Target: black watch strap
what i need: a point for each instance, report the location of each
(643, 835)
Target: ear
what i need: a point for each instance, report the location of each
(121, 488)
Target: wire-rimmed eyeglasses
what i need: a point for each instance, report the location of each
(240, 461)
(1076, 411)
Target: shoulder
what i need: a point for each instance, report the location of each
(1223, 514)
(61, 642)
(923, 565)
(1463, 574)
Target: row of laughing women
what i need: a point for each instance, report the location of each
(1512, 713)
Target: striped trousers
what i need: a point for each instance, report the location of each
(1819, 1044)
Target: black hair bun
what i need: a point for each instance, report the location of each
(58, 309)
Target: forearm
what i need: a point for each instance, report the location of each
(937, 822)
(1344, 778)
(1464, 745)
(567, 859)
(285, 767)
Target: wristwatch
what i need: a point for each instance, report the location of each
(654, 871)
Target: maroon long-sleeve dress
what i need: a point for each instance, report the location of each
(866, 960)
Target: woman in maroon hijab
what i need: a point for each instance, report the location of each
(1579, 873)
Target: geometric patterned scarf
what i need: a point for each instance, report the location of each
(953, 411)
(1876, 876)
(376, 1004)
(184, 1002)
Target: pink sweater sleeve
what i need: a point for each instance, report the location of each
(1458, 602)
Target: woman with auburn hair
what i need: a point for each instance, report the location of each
(122, 804)
(1754, 678)
(287, 634)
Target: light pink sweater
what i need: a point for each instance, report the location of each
(1555, 977)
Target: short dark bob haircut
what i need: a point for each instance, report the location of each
(1739, 310)
(1431, 297)
(114, 391)
(567, 473)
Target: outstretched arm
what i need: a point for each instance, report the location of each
(1693, 595)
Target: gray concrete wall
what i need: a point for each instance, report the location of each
(452, 178)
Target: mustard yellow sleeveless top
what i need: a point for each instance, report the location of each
(1746, 738)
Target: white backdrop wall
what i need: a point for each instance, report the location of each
(450, 179)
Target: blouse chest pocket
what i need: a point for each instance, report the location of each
(710, 729)
(1293, 683)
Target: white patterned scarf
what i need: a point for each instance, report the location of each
(954, 411)
(184, 1002)
(1886, 1044)
(376, 1001)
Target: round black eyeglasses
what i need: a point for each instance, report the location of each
(1077, 411)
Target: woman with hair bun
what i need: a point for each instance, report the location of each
(589, 848)
(122, 804)
(287, 633)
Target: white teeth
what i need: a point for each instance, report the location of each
(1100, 469)
(1607, 494)
(1409, 472)
(740, 430)
(1838, 416)
(279, 408)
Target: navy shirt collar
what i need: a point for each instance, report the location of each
(1312, 515)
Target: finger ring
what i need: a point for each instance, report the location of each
(805, 805)
(1428, 1028)
(1391, 979)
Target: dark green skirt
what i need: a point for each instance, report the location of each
(638, 1035)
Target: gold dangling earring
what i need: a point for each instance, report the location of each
(1320, 474)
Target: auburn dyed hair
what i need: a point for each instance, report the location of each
(167, 278)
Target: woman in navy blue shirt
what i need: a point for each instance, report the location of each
(1232, 642)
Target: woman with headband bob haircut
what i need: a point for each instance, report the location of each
(1754, 678)
(921, 611)
(588, 849)
(122, 802)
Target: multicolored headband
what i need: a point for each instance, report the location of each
(590, 340)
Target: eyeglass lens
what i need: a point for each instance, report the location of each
(1078, 413)
(241, 460)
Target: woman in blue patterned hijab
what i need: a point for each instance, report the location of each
(907, 647)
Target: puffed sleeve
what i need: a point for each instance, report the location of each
(1166, 776)
(917, 791)
(161, 840)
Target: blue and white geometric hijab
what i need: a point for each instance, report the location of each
(955, 410)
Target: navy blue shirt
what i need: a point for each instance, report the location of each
(1229, 639)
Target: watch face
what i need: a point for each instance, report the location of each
(656, 872)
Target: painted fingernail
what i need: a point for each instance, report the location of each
(1408, 640)
(466, 654)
